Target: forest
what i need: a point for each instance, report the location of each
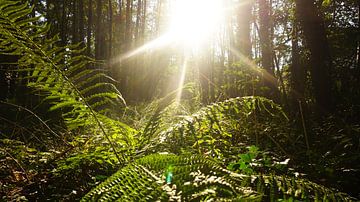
(179, 100)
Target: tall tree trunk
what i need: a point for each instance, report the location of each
(316, 40)
(267, 59)
(110, 30)
(243, 32)
(75, 36)
(297, 72)
(125, 69)
(89, 27)
(99, 45)
(63, 26)
(138, 22)
(128, 24)
(81, 22)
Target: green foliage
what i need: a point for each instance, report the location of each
(326, 2)
(219, 127)
(245, 161)
(86, 98)
(66, 78)
(244, 79)
(197, 178)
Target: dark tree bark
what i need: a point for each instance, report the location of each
(89, 27)
(119, 24)
(297, 72)
(75, 33)
(99, 32)
(138, 21)
(316, 40)
(110, 30)
(125, 71)
(267, 59)
(64, 24)
(81, 22)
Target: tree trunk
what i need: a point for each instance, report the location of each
(110, 30)
(75, 36)
(267, 59)
(89, 27)
(320, 60)
(243, 32)
(297, 72)
(128, 34)
(63, 26)
(99, 42)
(81, 22)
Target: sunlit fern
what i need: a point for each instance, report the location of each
(197, 178)
(66, 78)
(245, 120)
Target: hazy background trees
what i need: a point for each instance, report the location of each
(286, 50)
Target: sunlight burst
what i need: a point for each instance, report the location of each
(193, 22)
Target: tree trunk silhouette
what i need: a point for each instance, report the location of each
(81, 22)
(99, 42)
(89, 27)
(267, 59)
(320, 60)
(243, 32)
(297, 72)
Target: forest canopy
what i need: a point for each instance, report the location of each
(179, 100)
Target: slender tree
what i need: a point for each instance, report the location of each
(81, 22)
(99, 42)
(110, 44)
(75, 28)
(89, 27)
(64, 23)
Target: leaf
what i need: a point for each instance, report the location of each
(326, 3)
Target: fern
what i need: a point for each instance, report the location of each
(197, 179)
(220, 126)
(63, 73)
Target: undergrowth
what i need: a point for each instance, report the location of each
(241, 148)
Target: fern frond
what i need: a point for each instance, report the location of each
(197, 178)
(63, 73)
(220, 125)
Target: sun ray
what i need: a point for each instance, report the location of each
(152, 45)
(182, 80)
(253, 66)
